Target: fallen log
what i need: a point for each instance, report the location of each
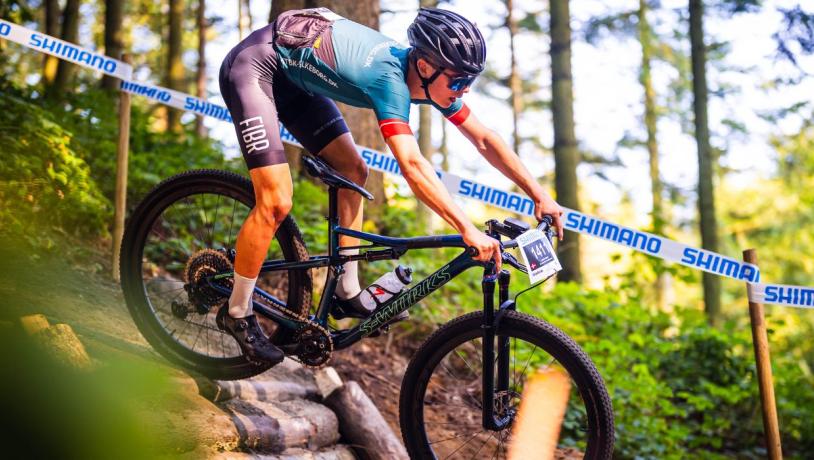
(362, 425)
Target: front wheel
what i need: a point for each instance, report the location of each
(441, 399)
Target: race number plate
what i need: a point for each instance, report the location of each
(538, 255)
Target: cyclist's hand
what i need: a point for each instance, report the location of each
(488, 247)
(544, 205)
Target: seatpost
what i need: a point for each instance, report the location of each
(333, 222)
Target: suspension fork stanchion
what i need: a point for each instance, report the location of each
(490, 422)
(488, 352)
(503, 349)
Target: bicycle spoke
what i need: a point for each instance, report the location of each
(528, 361)
(483, 445)
(231, 223)
(465, 443)
(197, 337)
(459, 436)
(214, 223)
(478, 404)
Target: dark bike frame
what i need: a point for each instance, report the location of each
(383, 314)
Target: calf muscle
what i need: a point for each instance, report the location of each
(273, 190)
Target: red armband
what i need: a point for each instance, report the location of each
(460, 116)
(393, 126)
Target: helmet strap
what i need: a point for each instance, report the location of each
(426, 82)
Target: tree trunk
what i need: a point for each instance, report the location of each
(175, 67)
(650, 122)
(70, 33)
(645, 37)
(424, 213)
(362, 122)
(201, 73)
(114, 43)
(706, 199)
(241, 21)
(425, 140)
(566, 155)
(49, 63)
(442, 149)
(246, 16)
(514, 77)
(278, 6)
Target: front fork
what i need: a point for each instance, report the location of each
(495, 391)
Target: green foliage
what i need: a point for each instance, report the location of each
(680, 388)
(59, 167)
(44, 182)
(92, 115)
(309, 209)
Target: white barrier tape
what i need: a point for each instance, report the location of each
(653, 245)
(782, 294)
(575, 221)
(64, 50)
(176, 99)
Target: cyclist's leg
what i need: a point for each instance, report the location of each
(317, 123)
(273, 190)
(247, 89)
(247, 79)
(341, 153)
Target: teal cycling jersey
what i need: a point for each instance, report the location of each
(323, 53)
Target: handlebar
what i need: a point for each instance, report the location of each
(511, 229)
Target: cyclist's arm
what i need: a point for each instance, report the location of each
(424, 182)
(499, 155)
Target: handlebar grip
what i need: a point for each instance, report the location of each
(546, 223)
(472, 251)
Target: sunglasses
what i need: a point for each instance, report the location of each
(460, 82)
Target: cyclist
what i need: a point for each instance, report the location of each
(292, 70)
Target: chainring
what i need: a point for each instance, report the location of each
(315, 345)
(202, 265)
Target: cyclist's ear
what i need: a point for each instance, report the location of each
(425, 68)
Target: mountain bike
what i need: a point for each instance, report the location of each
(462, 388)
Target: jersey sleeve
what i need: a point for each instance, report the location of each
(456, 113)
(390, 99)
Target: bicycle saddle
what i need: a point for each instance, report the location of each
(324, 172)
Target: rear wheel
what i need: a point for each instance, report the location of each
(441, 396)
(182, 233)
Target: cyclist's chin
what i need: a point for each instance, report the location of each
(447, 102)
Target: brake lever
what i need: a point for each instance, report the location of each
(547, 227)
(512, 260)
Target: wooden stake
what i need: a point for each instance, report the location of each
(121, 175)
(763, 361)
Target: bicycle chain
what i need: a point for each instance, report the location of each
(306, 324)
(223, 263)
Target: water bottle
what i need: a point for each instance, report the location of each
(384, 288)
